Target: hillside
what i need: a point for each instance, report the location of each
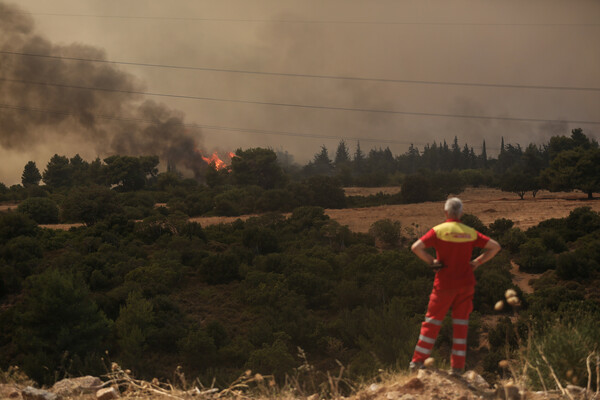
(297, 296)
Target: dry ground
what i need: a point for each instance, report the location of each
(487, 204)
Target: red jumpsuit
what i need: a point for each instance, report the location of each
(453, 287)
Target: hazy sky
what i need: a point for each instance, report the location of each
(541, 43)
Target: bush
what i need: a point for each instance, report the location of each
(577, 265)
(512, 239)
(386, 232)
(13, 224)
(274, 359)
(566, 345)
(220, 268)
(41, 209)
(58, 316)
(534, 257)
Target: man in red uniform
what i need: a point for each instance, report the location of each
(454, 283)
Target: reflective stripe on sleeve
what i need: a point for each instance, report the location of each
(433, 321)
(426, 339)
(423, 350)
(459, 341)
(461, 353)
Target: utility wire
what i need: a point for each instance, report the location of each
(204, 126)
(302, 21)
(305, 106)
(297, 75)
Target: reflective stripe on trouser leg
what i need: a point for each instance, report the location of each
(439, 303)
(461, 309)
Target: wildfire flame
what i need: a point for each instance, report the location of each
(219, 164)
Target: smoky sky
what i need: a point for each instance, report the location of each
(542, 43)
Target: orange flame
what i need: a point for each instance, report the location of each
(219, 164)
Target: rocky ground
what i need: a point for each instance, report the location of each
(430, 384)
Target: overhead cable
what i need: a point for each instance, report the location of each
(306, 21)
(305, 106)
(299, 75)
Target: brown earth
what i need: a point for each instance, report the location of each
(487, 204)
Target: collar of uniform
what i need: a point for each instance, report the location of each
(452, 220)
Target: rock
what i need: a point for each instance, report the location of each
(415, 384)
(314, 396)
(508, 392)
(476, 379)
(9, 391)
(393, 395)
(107, 394)
(374, 387)
(31, 393)
(429, 362)
(423, 373)
(407, 397)
(76, 386)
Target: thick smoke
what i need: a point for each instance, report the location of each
(113, 121)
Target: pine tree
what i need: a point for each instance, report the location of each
(484, 155)
(342, 156)
(359, 159)
(31, 175)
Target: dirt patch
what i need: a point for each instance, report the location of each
(521, 279)
(487, 204)
(7, 207)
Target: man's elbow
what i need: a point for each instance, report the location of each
(416, 246)
(494, 246)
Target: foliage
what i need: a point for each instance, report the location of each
(130, 173)
(257, 166)
(387, 232)
(565, 344)
(89, 204)
(41, 209)
(31, 175)
(58, 317)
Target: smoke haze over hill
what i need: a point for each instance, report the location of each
(538, 43)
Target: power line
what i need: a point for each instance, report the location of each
(205, 126)
(303, 21)
(305, 106)
(224, 128)
(298, 75)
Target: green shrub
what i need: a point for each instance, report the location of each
(512, 239)
(386, 232)
(534, 257)
(41, 209)
(577, 265)
(566, 345)
(274, 359)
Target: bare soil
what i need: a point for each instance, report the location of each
(487, 204)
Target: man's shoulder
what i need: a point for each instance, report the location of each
(455, 231)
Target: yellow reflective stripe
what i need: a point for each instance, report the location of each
(455, 232)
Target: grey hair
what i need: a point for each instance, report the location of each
(454, 207)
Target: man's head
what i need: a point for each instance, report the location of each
(453, 208)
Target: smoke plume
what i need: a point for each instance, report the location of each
(36, 111)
